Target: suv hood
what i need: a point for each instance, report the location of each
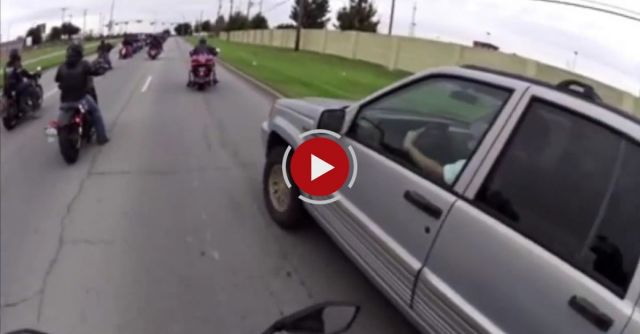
(311, 107)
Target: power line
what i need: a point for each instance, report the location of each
(599, 9)
(611, 6)
(276, 5)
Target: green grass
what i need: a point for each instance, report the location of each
(299, 74)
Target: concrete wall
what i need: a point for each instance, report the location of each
(415, 54)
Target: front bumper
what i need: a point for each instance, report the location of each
(264, 133)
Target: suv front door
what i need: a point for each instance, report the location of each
(411, 144)
(545, 239)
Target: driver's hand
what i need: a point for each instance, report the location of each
(410, 138)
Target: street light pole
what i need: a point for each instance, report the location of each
(299, 25)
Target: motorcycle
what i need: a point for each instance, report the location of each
(153, 53)
(31, 102)
(73, 128)
(100, 65)
(202, 73)
(125, 52)
(323, 318)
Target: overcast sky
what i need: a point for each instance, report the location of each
(607, 45)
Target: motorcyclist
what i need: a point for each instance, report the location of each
(103, 52)
(74, 79)
(155, 42)
(127, 42)
(14, 79)
(204, 48)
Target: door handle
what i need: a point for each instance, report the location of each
(590, 312)
(423, 204)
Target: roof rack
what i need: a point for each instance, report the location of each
(571, 86)
(576, 87)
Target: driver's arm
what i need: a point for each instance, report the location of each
(427, 165)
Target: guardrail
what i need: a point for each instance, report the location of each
(416, 54)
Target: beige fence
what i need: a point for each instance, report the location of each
(415, 54)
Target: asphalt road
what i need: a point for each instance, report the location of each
(163, 230)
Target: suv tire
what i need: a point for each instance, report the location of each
(282, 202)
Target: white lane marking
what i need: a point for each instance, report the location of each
(146, 85)
(49, 93)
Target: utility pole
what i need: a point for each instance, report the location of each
(230, 9)
(393, 10)
(219, 9)
(113, 3)
(101, 24)
(412, 29)
(260, 8)
(84, 23)
(299, 25)
(249, 4)
(64, 10)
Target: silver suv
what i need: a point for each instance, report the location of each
(484, 203)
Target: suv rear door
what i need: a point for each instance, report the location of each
(545, 239)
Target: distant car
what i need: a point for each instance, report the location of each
(485, 202)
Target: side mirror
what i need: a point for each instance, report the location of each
(332, 119)
(324, 318)
(218, 50)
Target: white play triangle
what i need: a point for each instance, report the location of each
(319, 167)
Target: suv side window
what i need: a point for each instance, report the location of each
(432, 126)
(571, 185)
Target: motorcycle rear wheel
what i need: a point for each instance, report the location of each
(9, 122)
(69, 141)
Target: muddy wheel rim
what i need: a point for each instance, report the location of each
(279, 193)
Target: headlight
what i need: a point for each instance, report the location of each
(272, 111)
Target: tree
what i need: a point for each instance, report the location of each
(55, 34)
(314, 14)
(36, 35)
(237, 21)
(206, 26)
(183, 29)
(286, 26)
(69, 29)
(258, 21)
(219, 24)
(358, 15)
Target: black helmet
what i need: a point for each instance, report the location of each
(203, 41)
(14, 55)
(75, 50)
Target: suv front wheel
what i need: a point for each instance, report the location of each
(282, 202)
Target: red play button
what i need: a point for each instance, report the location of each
(319, 166)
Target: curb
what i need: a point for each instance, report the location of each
(264, 88)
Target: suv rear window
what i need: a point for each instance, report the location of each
(572, 186)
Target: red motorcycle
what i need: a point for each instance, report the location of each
(125, 52)
(202, 73)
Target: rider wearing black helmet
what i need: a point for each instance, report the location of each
(14, 78)
(203, 47)
(75, 82)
